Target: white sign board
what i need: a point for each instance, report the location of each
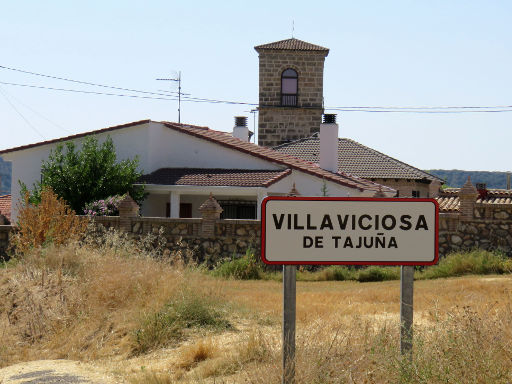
(330, 230)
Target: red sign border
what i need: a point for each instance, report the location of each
(389, 199)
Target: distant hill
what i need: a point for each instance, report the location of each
(5, 177)
(456, 178)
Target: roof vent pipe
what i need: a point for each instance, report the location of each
(240, 131)
(329, 143)
(329, 118)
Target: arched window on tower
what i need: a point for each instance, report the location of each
(289, 86)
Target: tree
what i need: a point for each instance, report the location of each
(88, 174)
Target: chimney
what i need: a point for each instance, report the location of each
(329, 143)
(240, 131)
(482, 190)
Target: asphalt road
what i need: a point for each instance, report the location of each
(52, 372)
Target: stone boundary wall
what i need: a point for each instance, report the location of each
(210, 239)
(490, 228)
(230, 238)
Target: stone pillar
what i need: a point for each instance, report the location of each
(467, 200)
(174, 200)
(127, 209)
(210, 213)
(379, 194)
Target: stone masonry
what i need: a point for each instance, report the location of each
(276, 123)
(487, 227)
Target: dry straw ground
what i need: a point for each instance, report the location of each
(147, 321)
(150, 320)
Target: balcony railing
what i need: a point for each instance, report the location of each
(289, 100)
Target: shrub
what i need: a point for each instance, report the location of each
(336, 273)
(375, 273)
(477, 262)
(329, 273)
(246, 267)
(49, 222)
(105, 207)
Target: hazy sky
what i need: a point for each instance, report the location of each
(382, 54)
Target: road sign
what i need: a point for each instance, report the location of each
(335, 230)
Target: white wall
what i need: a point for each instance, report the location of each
(154, 205)
(171, 148)
(308, 185)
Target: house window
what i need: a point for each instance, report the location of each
(238, 209)
(289, 87)
(416, 194)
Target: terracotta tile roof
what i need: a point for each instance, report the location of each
(449, 198)
(225, 139)
(356, 159)
(292, 45)
(5, 206)
(214, 177)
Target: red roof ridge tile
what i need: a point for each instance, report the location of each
(75, 136)
(223, 138)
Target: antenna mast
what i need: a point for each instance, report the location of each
(178, 80)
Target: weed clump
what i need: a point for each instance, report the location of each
(167, 326)
(375, 273)
(51, 221)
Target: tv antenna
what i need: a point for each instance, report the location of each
(178, 80)
(253, 112)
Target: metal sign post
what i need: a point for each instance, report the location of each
(406, 309)
(289, 306)
(340, 230)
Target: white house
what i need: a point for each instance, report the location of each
(182, 164)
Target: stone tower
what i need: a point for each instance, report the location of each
(291, 90)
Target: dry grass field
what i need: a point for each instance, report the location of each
(149, 321)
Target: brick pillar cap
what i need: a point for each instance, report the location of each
(293, 191)
(128, 203)
(379, 194)
(468, 189)
(211, 205)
